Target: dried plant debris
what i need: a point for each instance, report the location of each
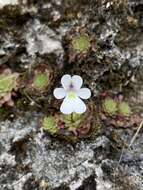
(72, 126)
(8, 85)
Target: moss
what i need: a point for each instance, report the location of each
(124, 109)
(81, 43)
(110, 106)
(49, 125)
(40, 81)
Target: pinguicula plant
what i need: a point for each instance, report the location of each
(73, 94)
(8, 84)
(76, 118)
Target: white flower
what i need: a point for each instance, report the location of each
(72, 94)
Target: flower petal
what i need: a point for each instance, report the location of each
(67, 106)
(77, 82)
(73, 105)
(59, 93)
(79, 106)
(66, 81)
(84, 93)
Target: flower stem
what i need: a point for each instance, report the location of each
(72, 120)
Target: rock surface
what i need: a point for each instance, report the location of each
(33, 32)
(29, 159)
(8, 2)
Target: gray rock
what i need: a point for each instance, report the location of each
(40, 38)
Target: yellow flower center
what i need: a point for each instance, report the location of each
(71, 95)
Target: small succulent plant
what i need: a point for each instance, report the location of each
(81, 43)
(72, 122)
(115, 111)
(110, 106)
(8, 84)
(124, 109)
(70, 127)
(49, 124)
(40, 80)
